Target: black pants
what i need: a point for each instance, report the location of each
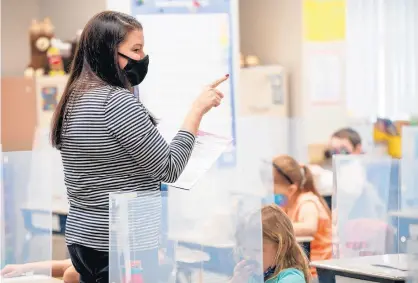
(93, 266)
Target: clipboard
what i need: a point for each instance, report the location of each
(207, 149)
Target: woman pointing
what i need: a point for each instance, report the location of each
(109, 142)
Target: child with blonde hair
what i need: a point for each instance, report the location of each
(284, 261)
(295, 192)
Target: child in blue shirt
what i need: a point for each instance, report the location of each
(284, 261)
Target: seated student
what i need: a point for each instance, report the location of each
(283, 259)
(296, 193)
(59, 268)
(343, 141)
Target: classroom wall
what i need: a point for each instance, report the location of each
(283, 18)
(281, 37)
(323, 120)
(277, 39)
(66, 16)
(282, 42)
(16, 17)
(69, 16)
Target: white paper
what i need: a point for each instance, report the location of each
(208, 148)
(324, 78)
(187, 52)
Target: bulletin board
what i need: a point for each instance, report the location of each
(190, 45)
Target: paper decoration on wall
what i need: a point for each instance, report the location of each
(49, 98)
(324, 20)
(324, 73)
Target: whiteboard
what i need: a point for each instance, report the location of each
(187, 52)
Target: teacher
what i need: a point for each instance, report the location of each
(109, 141)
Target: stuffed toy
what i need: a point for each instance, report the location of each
(40, 35)
(56, 65)
(64, 50)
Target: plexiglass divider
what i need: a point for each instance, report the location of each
(367, 193)
(408, 212)
(26, 210)
(201, 234)
(202, 245)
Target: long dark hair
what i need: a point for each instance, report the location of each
(95, 62)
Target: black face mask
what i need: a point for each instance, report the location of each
(136, 70)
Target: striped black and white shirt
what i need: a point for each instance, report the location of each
(109, 145)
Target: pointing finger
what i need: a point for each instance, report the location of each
(219, 81)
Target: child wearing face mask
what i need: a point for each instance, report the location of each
(344, 141)
(295, 192)
(283, 259)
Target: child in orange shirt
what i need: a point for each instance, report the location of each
(295, 192)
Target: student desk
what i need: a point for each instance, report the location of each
(31, 279)
(366, 269)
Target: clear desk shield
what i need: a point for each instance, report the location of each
(27, 221)
(407, 215)
(367, 189)
(183, 238)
